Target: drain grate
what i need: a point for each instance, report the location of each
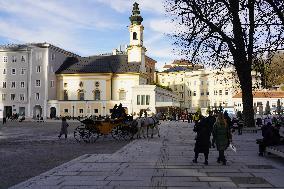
(249, 180)
(260, 167)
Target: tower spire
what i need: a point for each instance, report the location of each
(136, 18)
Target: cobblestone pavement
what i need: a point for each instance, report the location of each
(166, 162)
(28, 149)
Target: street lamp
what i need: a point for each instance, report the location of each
(73, 111)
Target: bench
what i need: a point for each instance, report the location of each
(276, 150)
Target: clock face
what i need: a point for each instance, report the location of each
(97, 84)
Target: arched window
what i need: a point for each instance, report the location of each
(134, 36)
(122, 95)
(65, 94)
(97, 95)
(81, 94)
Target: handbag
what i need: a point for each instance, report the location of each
(233, 147)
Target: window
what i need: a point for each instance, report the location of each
(65, 85)
(22, 84)
(22, 97)
(13, 96)
(37, 96)
(13, 84)
(5, 59)
(4, 86)
(97, 95)
(52, 56)
(81, 95)
(181, 95)
(37, 83)
(142, 99)
(207, 93)
(13, 71)
(65, 110)
(4, 71)
(14, 59)
(23, 59)
(81, 111)
(134, 36)
(138, 100)
(202, 82)
(194, 93)
(97, 84)
(220, 92)
(96, 111)
(23, 70)
(81, 84)
(65, 95)
(226, 92)
(3, 97)
(163, 80)
(175, 87)
(202, 93)
(147, 99)
(215, 92)
(181, 79)
(38, 68)
(181, 87)
(122, 95)
(51, 83)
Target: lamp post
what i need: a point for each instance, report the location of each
(73, 111)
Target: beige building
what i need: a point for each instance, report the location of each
(93, 85)
(202, 87)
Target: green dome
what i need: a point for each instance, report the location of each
(136, 18)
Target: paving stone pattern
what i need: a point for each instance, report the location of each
(166, 163)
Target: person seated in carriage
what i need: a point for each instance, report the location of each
(118, 112)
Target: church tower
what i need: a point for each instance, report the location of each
(136, 50)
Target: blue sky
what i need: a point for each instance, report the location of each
(86, 27)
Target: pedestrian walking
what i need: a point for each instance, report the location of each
(64, 126)
(202, 143)
(240, 125)
(222, 136)
(4, 120)
(210, 120)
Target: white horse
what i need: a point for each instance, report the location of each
(152, 123)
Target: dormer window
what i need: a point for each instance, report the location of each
(134, 36)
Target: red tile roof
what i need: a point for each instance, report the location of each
(167, 66)
(264, 94)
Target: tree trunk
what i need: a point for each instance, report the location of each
(247, 97)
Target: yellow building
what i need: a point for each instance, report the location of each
(93, 85)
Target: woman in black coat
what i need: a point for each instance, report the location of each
(202, 143)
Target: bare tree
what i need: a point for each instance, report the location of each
(229, 32)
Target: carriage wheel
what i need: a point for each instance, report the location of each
(93, 135)
(116, 133)
(80, 134)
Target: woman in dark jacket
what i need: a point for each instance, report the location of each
(64, 126)
(202, 143)
(222, 136)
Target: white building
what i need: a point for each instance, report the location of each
(27, 77)
(260, 99)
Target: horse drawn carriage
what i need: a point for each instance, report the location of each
(90, 130)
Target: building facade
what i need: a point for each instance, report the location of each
(93, 85)
(28, 78)
(203, 88)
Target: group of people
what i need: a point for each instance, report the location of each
(118, 111)
(219, 127)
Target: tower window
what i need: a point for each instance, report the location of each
(134, 36)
